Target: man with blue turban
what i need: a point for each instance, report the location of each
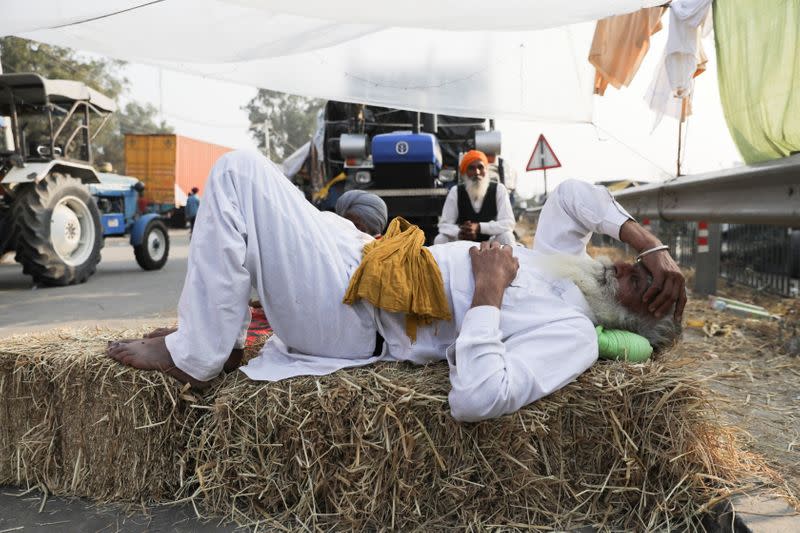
(365, 210)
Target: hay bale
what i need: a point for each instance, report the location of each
(632, 447)
(77, 423)
(27, 446)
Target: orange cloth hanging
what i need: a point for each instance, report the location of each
(619, 45)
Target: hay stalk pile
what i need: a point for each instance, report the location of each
(75, 424)
(633, 447)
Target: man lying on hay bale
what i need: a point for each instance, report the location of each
(514, 324)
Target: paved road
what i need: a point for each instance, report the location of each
(120, 293)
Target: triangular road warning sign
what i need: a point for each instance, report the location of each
(543, 156)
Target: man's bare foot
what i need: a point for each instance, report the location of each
(160, 332)
(234, 360)
(151, 354)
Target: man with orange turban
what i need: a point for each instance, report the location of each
(477, 209)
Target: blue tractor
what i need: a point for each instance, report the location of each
(117, 198)
(409, 159)
(55, 208)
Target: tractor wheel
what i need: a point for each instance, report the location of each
(153, 252)
(58, 230)
(6, 232)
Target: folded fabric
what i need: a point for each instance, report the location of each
(684, 59)
(619, 46)
(398, 274)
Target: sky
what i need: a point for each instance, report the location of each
(620, 144)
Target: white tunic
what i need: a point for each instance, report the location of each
(255, 228)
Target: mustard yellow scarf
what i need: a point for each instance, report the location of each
(398, 274)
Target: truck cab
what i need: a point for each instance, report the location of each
(407, 158)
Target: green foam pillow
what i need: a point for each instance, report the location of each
(622, 345)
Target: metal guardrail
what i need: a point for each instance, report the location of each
(762, 257)
(757, 206)
(764, 193)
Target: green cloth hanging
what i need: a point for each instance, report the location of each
(758, 65)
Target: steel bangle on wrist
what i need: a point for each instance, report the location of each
(651, 251)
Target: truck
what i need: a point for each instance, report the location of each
(170, 166)
(56, 209)
(409, 159)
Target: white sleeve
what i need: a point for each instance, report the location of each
(505, 214)
(447, 222)
(572, 213)
(491, 378)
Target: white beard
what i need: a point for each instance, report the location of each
(596, 280)
(476, 189)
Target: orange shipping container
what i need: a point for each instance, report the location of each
(169, 165)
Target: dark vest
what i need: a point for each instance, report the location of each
(488, 210)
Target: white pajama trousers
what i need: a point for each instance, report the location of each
(255, 229)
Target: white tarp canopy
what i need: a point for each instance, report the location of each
(503, 59)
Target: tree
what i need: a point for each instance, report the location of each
(292, 119)
(56, 62)
(104, 75)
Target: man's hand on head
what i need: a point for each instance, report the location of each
(668, 287)
(494, 267)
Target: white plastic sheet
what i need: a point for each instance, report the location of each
(292, 164)
(508, 58)
(670, 92)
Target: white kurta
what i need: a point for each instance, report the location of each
(255, 228)
(501, 229)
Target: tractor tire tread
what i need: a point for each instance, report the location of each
(30, 214)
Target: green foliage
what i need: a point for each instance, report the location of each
(104, 75)
(292, 118)
(56, 62)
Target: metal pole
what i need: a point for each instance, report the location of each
(161, 94)
(541, 157)
(545, 183)
(678, 161)
(680, 135)
(709, 244)
(267, 125)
